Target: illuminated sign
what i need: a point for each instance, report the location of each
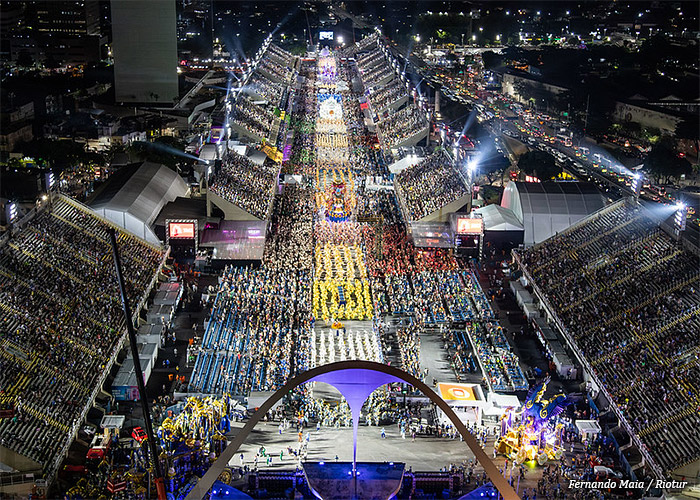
(216, 134)
(456, 392)
(325, 35)
(181, 230)
(470, 226)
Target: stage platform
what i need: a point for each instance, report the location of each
(236, 240)
(334, 480)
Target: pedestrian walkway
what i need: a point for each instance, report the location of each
(434, 358)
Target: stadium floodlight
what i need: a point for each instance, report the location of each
(681, 217)
(637, 182)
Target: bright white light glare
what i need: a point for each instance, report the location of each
(341, 39)
(680, 205)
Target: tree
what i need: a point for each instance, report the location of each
(491, 60)
(663, 162)
(24, 58)
(539, 164)
(53, 153)
(491, 194)
(493, 166)
(689, 129)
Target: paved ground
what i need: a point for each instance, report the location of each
(425, 454)
(434, 357)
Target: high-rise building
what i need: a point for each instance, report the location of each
(68, 17)
(144, 48)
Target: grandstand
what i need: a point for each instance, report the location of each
(253, 325)
(275, 70)
(431, 189)
(389, 96)
(370, 60)
(261, 87)
(625, 295)
(281, 56)
(251, 120)
(61, 326)
(243, 189)
(405, 127)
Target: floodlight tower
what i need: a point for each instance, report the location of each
(679, 221)
(637, 182)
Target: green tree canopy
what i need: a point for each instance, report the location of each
(663, 162)
(54, 153)
(539, 164)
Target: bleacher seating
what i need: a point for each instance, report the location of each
(61, 321)
(245, 184)
(628, 295)
(401, 125)
(256, 119)
(388, 94)
(429, 185)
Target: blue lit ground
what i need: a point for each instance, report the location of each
(425, 454)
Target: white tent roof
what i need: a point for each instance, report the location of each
(134, 196)
(547, 208)
(497, 218)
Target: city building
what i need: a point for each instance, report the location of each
(144, 48)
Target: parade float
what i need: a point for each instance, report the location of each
(190, 440)
(534, 432)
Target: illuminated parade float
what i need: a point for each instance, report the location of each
(533, 433)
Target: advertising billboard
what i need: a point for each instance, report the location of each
(181, 230)
(325, 35)
(456, 392)
(470, 226)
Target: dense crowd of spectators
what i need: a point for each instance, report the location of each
(387, 94)
(290, 245)
(429, 185)
(275, 69)
(626, 293)
(280, 55)
(252, 117)
(257, 316)
(245, 184)
(265, 88)
(370, 59)
(61, 321)
(401, 125)
(377, 75)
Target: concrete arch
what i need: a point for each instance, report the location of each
(205, 484)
